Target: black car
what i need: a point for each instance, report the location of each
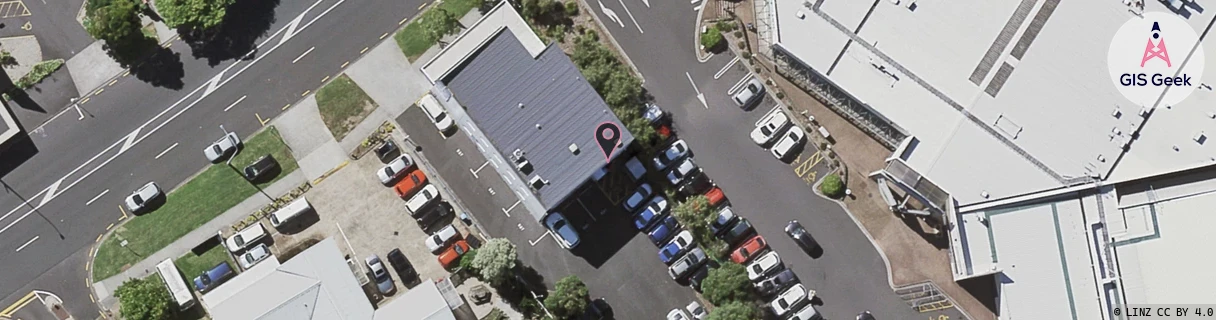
(801, 237)
(697, 185)
(739, 232)
(405, 270)
(699, 276)
(598, 309)
(387, 151)
(258, 169)
(775, 284)
(726, 218)
(433, 214)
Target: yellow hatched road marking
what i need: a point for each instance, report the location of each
(8, 312)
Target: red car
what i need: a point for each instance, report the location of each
(749, 249)
(412, 182)
(716, 196)
(451, 257)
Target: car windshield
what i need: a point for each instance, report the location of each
(239, 240)
(459, 249)
(388, 171)
(206, 280)
(441, 116)
(137, 199)
(752, 87)
(559, 224)
(767, 130)
(436, 239)
(783, 303)
(216, 148)
(756, 268)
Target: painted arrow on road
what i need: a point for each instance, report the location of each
(700, 96)
(611, 14)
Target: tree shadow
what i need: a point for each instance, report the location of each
(163, 68)
(15, 152)
(244, 23)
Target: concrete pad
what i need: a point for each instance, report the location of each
(327, 157)
(25, 50)
(386, 76)
(91, 68)
(302, 128)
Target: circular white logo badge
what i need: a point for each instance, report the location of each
(1148, 58)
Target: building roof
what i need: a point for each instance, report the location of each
(541, 106)
(315, 284)
(422, 302)
(500, 18)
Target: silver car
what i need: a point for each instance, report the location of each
(394, 169)
(222, 147)
(690, 261)
(254, 255)
(137, 202)
(750, 94)
(566, 235)
(384, 282)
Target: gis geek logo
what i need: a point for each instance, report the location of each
(1140, 62)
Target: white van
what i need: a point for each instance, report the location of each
(436, 113)
(289, 211)
(808, 313)
(177, 286)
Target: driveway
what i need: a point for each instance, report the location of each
(614, 261)
(850, 276)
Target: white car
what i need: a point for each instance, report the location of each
(435, 111)
(566, 235)
(394, 169)
(697, 311)
(809, 313)
(250, 234)
(426, 196)
(677, 314)
(220, 148)
(440, 239)
(763, 265)
(691, 260)
(639, 196)
(790, 140)
(750, 93)
(674, 248)
(254, 255)
(788, 299)
(684, 169)
(137, 202)
(770, 127)
(678, 150)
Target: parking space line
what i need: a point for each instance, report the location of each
(739, 85)
(483, 166)
(507, 211)
(348, 246)
(27, 243)
(542, 237)
(726, 68)
(585, 209)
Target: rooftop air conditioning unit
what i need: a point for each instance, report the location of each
(537, 182)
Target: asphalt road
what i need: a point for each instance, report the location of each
(850, 276)
(53, 22)
(152, 127)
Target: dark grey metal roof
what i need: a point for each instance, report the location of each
(502, 75)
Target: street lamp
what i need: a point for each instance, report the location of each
(238, 172)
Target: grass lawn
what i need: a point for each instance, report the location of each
(343, 105)
(193, 265)
(413, 41)
(204, 197)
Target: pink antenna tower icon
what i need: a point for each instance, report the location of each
(1156, 51)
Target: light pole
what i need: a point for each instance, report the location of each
(238, 172)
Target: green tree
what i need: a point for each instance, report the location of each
(193, 14)
(734, 311)
(438, 23)
(832, 186)
(695, 214)
(117, 23)
(143, 299)
(541, 11)
(711, 39)
(495, 260)
(569, 298)
(728, 283)
(466, 262)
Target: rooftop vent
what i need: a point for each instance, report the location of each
(521, 105)
(573, 148)
(537, 182)
(537, 126)
(1200, 137)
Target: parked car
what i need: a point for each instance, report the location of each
(394, 169)
(257, 170)
(684, 169)
(411, 184)
(738, 233)
(566, 235)
(771, 127)
(763, 266)
(386, 150)
(384, 282)
(791, 298)
(678, 245)
(653, 114)
(697, 184)
(686, 264)
(678, 314)
(635, 168)
(676, 151)
(137, 202)
(638, 197)
(715, 196)
(213, 277)
(221, 148)
(801, 236)
(810, 313)
(254, 255)
(749, 249)
(405, 270)
(597, 309)
(772, 285)
(434, 214)
(420, 200)
(440, 239)
(697, 311)
(789, 142)
(451, 256)
(250, 234)
(436, 113)
(750, 94)
(652, 213)
(699, 276)
(663, 230)
(726, 218)
(864, 315)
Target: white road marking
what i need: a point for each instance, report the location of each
(697, 8)
(154, 118)
(520, 225)
(700, 96)
(352, 249)
(459, 153)
(647, 2)
(635, 21)
(97, 197)
(767, 114)
(542, 237)
(291, 28)
(162, 153)
(130, 141)
(483, 165)
(213, 84)
(739, 85)
(492, 191)
(234, 103)
(27, 243)
(726, 68)
(50, 193)
(303, 54)
(611, 14)
(507, 211)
